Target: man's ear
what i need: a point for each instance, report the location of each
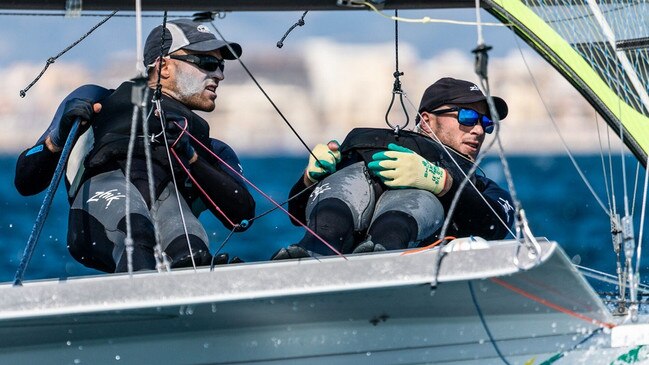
(425, 119)
(165, 64)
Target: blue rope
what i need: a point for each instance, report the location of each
(45, 207)
(484, 324)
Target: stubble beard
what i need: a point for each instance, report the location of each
(190, 89)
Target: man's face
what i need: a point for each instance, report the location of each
(192, 85)
(464, 139)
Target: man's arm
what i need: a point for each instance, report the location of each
(36, 165)
(474, 217)
(224, 187)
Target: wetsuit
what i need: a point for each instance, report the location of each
(97, 187)
(351, 206)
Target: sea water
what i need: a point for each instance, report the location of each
(557, 202)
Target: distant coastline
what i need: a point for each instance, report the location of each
(326, 90)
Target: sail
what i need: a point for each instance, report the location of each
(601, 48)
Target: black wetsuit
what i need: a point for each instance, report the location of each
(90, 240)
(472, 216)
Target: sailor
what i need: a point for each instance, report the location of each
(188, 67)
(382, 190)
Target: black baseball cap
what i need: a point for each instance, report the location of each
(189, 35)
(452, 91)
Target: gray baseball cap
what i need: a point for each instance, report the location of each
(185, 34)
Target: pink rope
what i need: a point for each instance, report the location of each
(254, 187)
(201, 189)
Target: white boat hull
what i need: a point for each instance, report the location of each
(369, 309)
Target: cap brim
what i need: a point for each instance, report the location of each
(214, 44)
(501, 105)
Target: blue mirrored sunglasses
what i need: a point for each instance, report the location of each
(469, 117)
(203, 61)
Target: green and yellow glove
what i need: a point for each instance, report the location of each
(327, 157)
(402, 168)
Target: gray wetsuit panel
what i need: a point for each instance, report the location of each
(422, 205)
(352, 186)
(104, 197)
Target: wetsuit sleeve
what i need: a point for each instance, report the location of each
(298, 199)
(35, 166)
(226, 191)
(474, 217)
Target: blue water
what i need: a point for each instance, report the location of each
(558, 205)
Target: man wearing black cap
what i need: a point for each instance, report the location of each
(393, 190)
(187, 68)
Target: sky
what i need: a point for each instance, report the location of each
(36, 38)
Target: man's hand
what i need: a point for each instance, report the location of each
(401, 168)
(74, 108)
(327, 158)
(177, 138)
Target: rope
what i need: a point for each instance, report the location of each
(200, 188)
(484, 324)
(45, 206)
(212, 263)
(51, 60)
(552, 305)
(277, 205)
(128, 242)
(428, 19)
(162, 264)
(264, 92)
(396, 87)
(299, 23)
(163, 123)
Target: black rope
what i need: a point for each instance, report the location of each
(213, 263)
(484, 324)
(51, 60)
(281, 204)
(299, 23)
(396, 87)
(158, 87)
(266, 95)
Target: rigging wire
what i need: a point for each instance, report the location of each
(157, 101)
(556, 127)
(428, 19)
(162, 264)
(277, 205)
(51, 60)
(396, 87)
(252, 77)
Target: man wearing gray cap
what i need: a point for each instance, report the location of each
(386, 190)
(186, 68)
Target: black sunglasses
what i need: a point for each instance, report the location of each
(203, 61)
(469, 117)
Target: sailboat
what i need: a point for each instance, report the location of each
(517, 301)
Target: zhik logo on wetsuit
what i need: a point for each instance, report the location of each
(108, 196)
(474, 88)
(319, 190)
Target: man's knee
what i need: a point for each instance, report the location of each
(188, 254)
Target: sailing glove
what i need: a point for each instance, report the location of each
(74, 108)
(177, 136)
(327, 157)
(402, 168)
